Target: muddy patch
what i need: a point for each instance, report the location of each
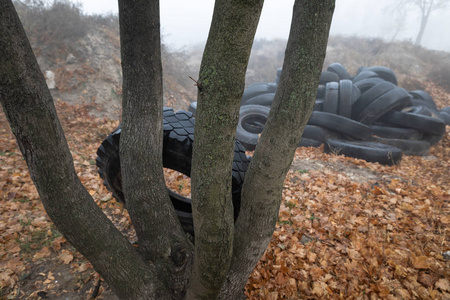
(354, 172)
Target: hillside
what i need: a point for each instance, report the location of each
(84, 54)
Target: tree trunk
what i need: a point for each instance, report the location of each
(148, 203)
(220, 87)
(425, 12)
(29, 108)
(290, 111)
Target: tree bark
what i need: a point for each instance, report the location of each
(290, 111)
(29, 108)
(161, 239)
(220, 87)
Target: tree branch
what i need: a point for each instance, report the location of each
(290, 111)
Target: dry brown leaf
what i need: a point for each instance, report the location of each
(65, 257)
(428, 280)
(44, 252)
(443, 284)
(421, 262)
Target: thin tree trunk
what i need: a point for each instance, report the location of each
(425, 11)
(160, 237)
(220, 87)
(291, 108)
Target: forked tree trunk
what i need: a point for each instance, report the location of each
(163, 266)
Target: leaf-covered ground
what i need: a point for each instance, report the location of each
(347, 229)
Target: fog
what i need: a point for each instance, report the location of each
(186, 23)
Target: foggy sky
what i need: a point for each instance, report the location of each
(186, 23)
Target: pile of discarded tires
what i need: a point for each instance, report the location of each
(177, 154)
(365, 116)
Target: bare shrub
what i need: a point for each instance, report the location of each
(266, 57)
(440, 73)
(52, 23)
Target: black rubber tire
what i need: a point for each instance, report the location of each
(304, 142)
(252, 119)
(263, 99)
(365, 75)
(367, 83)
(446, 109)
(409, 147)
(177, 153)
(345, 98)
(193, 107)
(277, 78)
(320, 92)
(422, 95)
(433, 139)
(444, 116)
(257, 89)
(360, 69)
(420, 102)
(425, 124)
(321, 134)
(385, 73)
(388, 132)
(340, 70)
(331, 101)
(327, 76)
(418, 109)
(343, 125)
(369, 96)
(318, 105)
(356, 94)
(369, 151)
(397, 98)
(108, 164)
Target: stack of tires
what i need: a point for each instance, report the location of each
(177, 154)
(365, 116)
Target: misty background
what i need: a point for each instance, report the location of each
(186, 23)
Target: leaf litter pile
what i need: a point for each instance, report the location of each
(347, 229)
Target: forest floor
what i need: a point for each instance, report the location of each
(347, 229)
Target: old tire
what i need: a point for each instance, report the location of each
(385, 73)
(327, 76)
(252, 119)
(257, 89)
(397, 98)
(345, 98)
(389, 132)
(321, 134)
(177, 154)
(409, 147)
(369, 151)
(331, 101)
(340, 70)
(263, 99)
(346, 126)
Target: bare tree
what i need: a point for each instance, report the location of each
(425, 7)
(166, 265)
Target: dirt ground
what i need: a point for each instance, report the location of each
(347, 229)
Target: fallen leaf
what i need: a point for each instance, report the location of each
(443, 284)
(66, 257)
